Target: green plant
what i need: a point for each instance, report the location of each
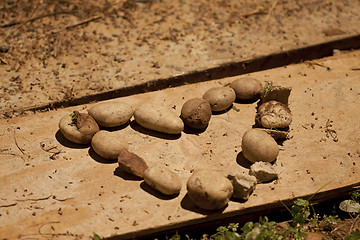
(263, 230)
(73, 117)
(267, 89)
(96, 237)
(353, 236)
(226, 233)
(355, 196)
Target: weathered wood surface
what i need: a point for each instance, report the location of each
(77, 193)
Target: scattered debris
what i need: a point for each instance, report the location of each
(49, 145)
(330, 132)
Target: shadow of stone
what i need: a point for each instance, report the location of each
(189, 130)
(137, 127)
(144, 186)
(117, 128)
(187, 204)
(125, 175)
(242, 161)
(100, 159)
(67, 143)
(249, 101)
(223, 111)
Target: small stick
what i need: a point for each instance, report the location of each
(17, 145)
(257, 11)
(84, 22)
(352, 225)
(34, 199)
(271, 9)
(8, 205)
(63, 200)
(317, 64)
(33, 19)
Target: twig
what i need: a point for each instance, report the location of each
(352, 225)
(17, 145)
(34, 199)
(8, 205)
(84, 22)
(355, 69)
(39, 230)
(33, 19)
(311, 63)
(62, 200)
(257, 11)
(271, 10)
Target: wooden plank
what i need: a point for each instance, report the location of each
(77, 193)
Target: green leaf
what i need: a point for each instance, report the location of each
(247, 227)
(96, 237)
(353, 236)
(231, 236)
(264, 220)
(295, 210)
(248, 236)
(233, 227)
(299, 219)
(301, 202)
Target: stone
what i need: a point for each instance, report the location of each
(244, 184)
(263, 171)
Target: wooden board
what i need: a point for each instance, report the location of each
(74, 193)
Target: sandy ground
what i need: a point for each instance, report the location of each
(56, 50)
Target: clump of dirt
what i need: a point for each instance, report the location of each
(84, 123)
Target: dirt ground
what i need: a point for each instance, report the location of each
(55, 50)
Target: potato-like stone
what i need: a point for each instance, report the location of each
(163, 179)
(257, 146)
(158, 119)
(111, 114)
(209, 189)
(247, 88)
(196, 113)
(108, 144)
(274, 114)
(132, 163)
(220, 98)
(78, 127)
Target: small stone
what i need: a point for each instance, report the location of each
(277, 93)
(108, 144)
(132, 163)
(163, 179)
(4, 48)
(209, 189)
(349, 206)
(273, 114)
(244, 184)
(263, 171)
